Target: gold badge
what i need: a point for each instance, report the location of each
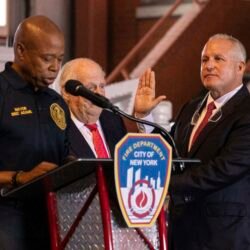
(58, 115)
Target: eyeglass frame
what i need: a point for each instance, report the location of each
(214, 118)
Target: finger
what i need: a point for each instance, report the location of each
(152, 80)
(49, 167)
(158, 100)
(46, 166)
(142, 81)
(148, 77)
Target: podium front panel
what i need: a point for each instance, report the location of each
(89, 232)
(69, 202)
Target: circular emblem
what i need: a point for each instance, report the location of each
(58, 115)
(141, 199)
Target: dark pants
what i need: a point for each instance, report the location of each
(23, 225)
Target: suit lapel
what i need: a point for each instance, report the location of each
(202, 136)
(183, 133)
(185, 143)
(78, 144)
(107, 129)
(226, 110)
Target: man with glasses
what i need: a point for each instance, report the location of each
(210, 203)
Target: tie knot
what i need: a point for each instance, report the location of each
(210, 107)
(91, 127)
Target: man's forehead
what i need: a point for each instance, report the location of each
(91, 76)
(219, 43)
(218, 46)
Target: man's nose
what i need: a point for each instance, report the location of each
(209, 65)
(55, 65)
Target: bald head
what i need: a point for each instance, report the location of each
(38, 50)
(91, 75)
(33, 28)
(82, 69)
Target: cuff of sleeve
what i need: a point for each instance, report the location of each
(143, 128)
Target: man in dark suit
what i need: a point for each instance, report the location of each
(83, 112)
(210, 203)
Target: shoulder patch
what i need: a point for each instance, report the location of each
(58, 115)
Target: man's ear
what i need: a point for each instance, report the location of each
(242, 67)
(20, 48)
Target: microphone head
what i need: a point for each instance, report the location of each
(76, 88)
(72, 86)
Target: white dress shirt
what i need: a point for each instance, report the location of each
(86, 133)
(218, 104)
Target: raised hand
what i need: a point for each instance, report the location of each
(145, 100)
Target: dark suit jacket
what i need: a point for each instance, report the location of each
(113, 129)
(210, 206)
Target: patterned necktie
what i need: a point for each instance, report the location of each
(97, 141)
(210, 107)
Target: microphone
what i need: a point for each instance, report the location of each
(76, 88)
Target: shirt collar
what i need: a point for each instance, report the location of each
(17, 82)
(13, 77)
(80, 124)
(223, 99)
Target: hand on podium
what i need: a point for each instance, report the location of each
(42, 168)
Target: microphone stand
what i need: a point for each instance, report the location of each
(115, 109)
(180, 161)
(76, 88)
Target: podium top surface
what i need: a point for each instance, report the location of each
(65, 175)
(57, 178)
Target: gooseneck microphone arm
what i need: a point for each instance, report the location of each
(115, 109)
(76, 88)
(179, 163)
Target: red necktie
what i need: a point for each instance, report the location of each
(210, 107)
(97, 141)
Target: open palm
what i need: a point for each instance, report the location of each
(145, 99)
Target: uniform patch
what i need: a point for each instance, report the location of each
(58, 115)
(18, 111)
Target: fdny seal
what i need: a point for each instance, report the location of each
(142, 173)
(58, 115)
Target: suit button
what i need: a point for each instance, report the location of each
(188, 198)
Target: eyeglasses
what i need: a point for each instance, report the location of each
(214, 118)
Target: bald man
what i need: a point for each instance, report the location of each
(84, 113)
(33, 128)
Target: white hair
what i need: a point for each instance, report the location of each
(241, 50)
(70, 70)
